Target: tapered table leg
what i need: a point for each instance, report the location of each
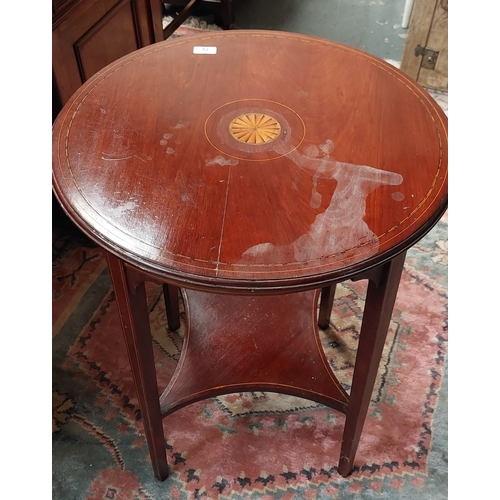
(325, 306)
(379, 305)
(132, 306)
(171, 297)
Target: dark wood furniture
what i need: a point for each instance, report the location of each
(253, 173)
(87, 35)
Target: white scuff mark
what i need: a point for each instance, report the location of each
(170, 151)
(181, 125)
(316, 197)
(386, 40)
(186, 198)
(397, 196)
(327, 147)
(396, 26)
(123, 209)
(345, 212)
(403, 35)
(103, 111)
(312, 151)
(165, 138)
(220, 160)
(259, 249)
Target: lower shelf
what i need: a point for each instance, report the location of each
(245, 343)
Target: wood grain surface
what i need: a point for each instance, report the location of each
(235, 336)
(146, 163)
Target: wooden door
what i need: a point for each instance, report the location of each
(90, 34)
(428, 29)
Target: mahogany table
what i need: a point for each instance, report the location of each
(253, 170)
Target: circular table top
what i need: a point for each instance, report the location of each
(252, 160)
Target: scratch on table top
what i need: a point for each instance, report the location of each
(165, 138)
(223, 222)
(120, 159)
(220, 160)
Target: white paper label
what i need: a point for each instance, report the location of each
(204, 50)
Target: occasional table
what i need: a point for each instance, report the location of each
(252, 171)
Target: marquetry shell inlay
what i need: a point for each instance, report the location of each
(255, 128)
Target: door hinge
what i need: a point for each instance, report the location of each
(429, 56)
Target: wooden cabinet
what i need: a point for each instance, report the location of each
(89, 34)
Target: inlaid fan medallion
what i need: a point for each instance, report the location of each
(255, 128)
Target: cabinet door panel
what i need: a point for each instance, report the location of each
(114, 36)
(94, 33)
